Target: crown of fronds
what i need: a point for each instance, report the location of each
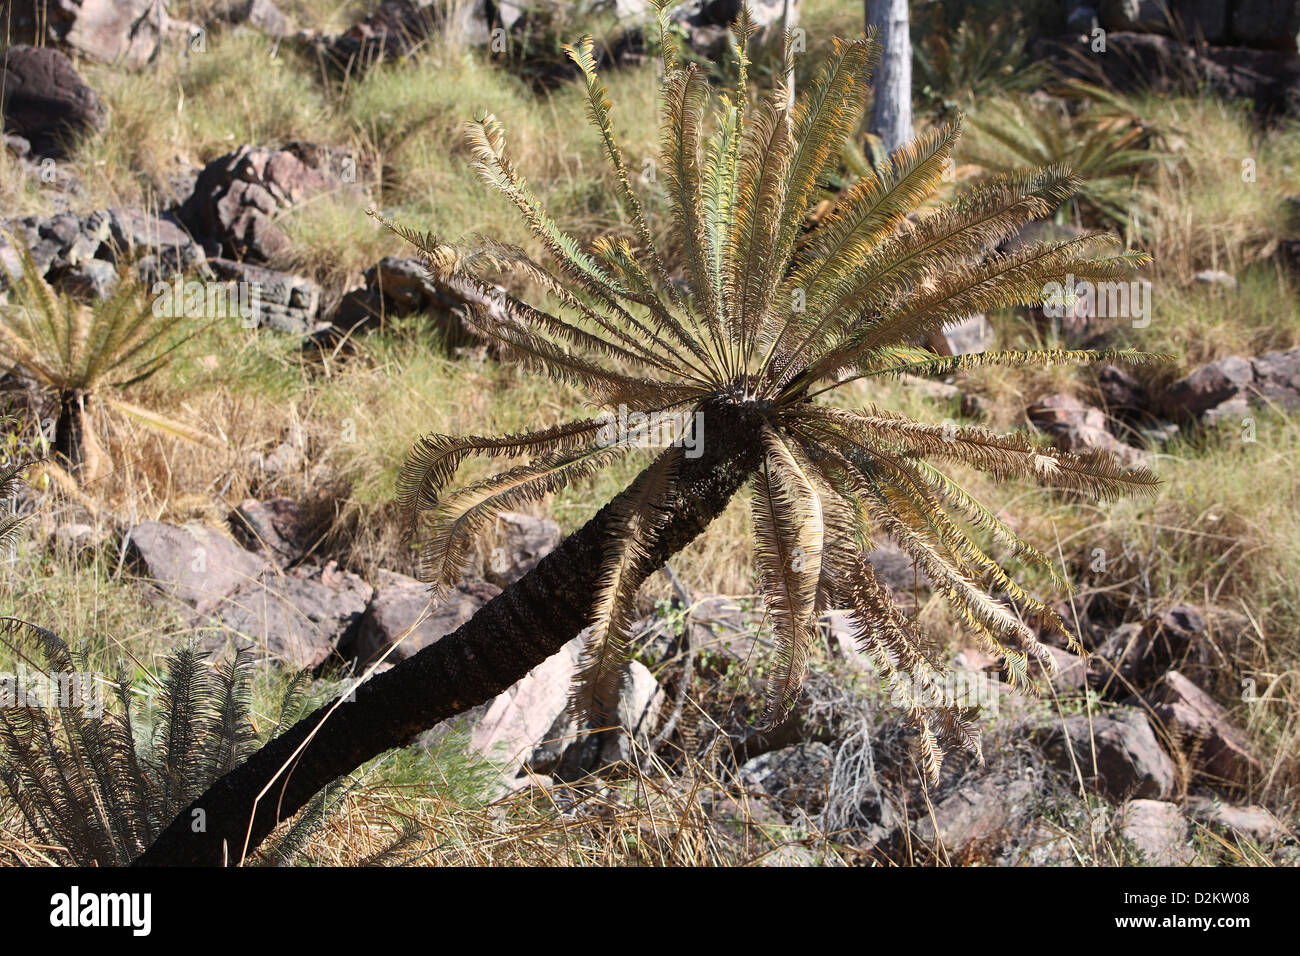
(1105, 144)
(98, 348)
(767, 315)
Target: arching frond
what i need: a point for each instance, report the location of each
(605, 654)
(788, 536)
(433, 460)
(462, 515)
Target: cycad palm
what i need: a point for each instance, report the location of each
(729, 344)
(83, 352)
(767, 322)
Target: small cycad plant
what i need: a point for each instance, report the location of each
(94, 781)
(753, 325)
(88, 352)
(1106, 145)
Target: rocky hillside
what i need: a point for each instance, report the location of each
(220, 158)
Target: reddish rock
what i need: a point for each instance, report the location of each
(45, 101)
(237, 196)
(1203, 730)
(1158, 830)
(1116, 753)
(1080, 428)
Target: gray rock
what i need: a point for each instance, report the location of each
(91, 279)
(278, 300)
(45, 101)
(128, 32)
(1252, 822)
(520, 718)
(1072, 672)
(895, 567)
(297, 619)
(1228, 387)
(276, 527)
(1136, 657)
(399, 602)
(398, 286)
(76, 539)
(569, 751)
(19, 147)
(1277, 378)
(1215, 277)
(82, 248)
(134, 232)
(930, 388)
(1209, 386)
(261, 14)
(796, 777)
(518, 543)
(707, 22)
(193, 564)
(1158, 830)
(1122, 747)
(1143, 16)
(980, 817)
(972, 334)
(637, 715)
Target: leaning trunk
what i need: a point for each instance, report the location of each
(508, 637)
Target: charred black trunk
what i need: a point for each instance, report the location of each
(69, 430)
(508, 637)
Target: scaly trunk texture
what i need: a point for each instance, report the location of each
(891, 117)
(508, 637)
(69, 430)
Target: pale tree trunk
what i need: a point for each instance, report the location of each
(789, 17)
(891, 119)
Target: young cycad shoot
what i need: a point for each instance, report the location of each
(749, 326)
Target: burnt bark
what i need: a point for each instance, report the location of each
(508, 637)
(69, 430)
